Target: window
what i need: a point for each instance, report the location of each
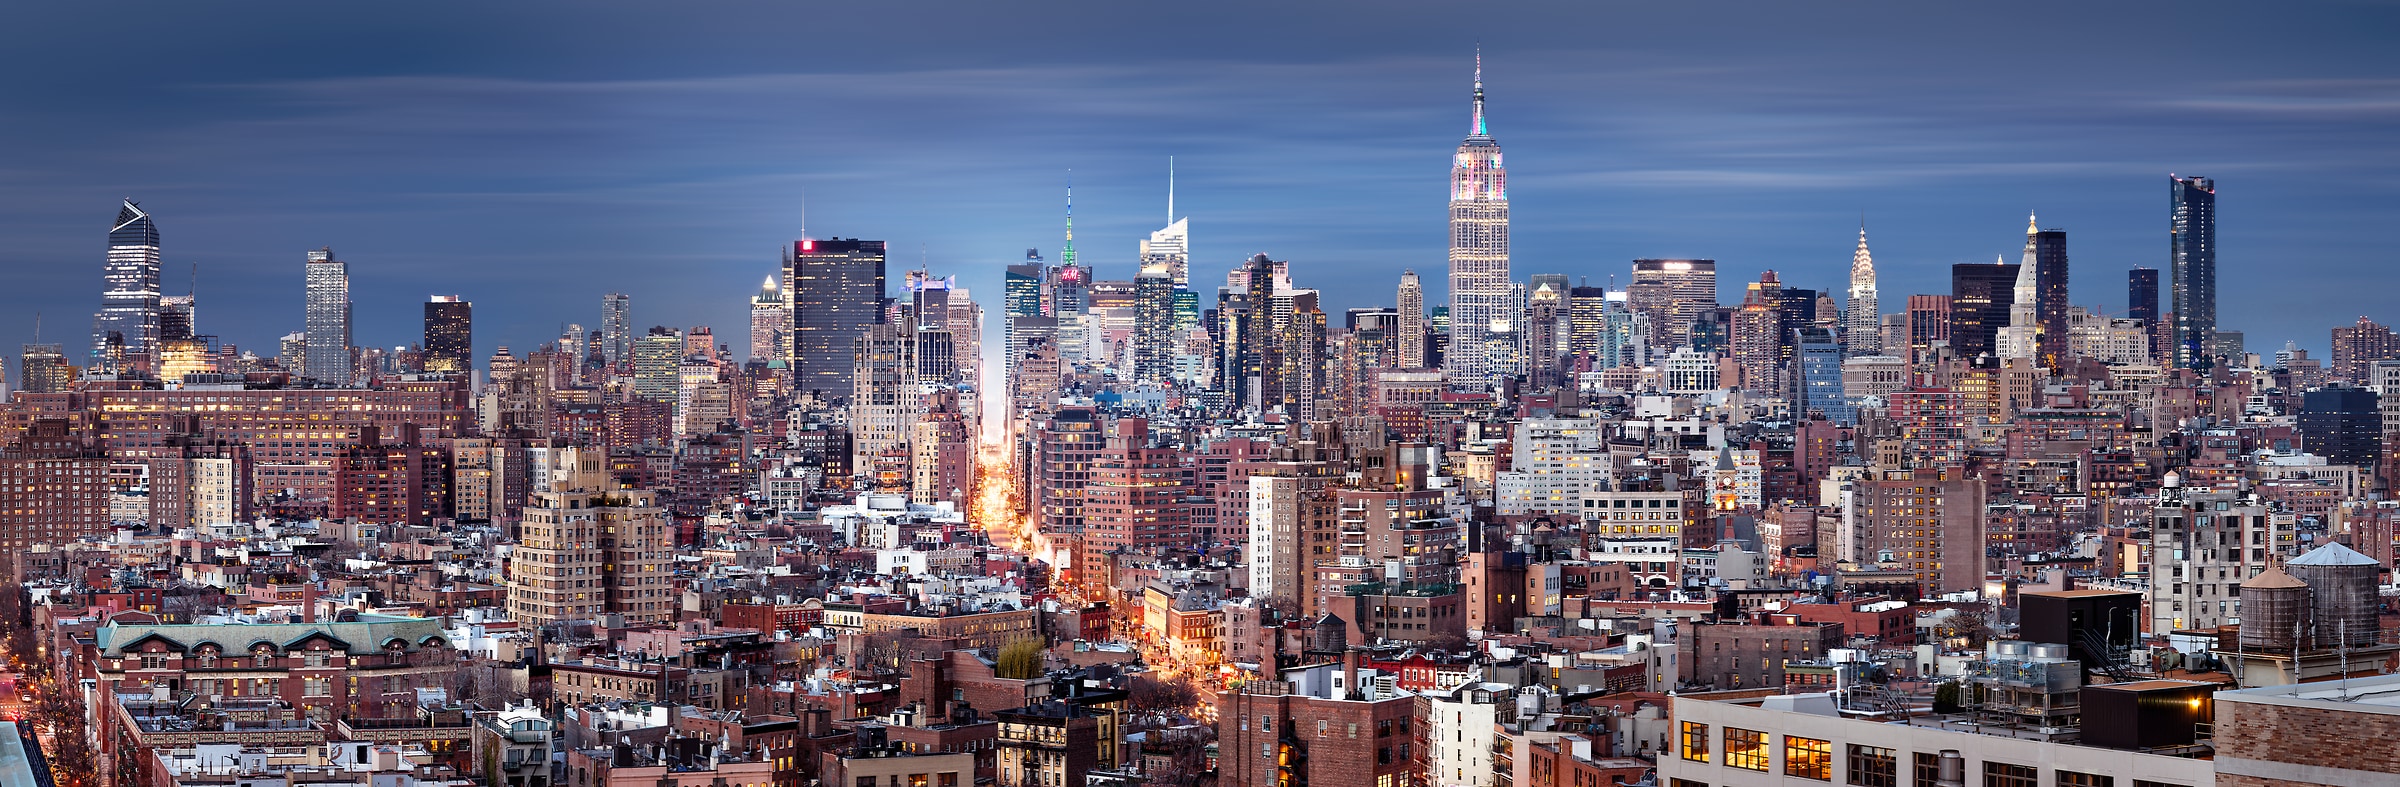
(2001, 774)
(1685, 783)
(2075, 779)
(1874, 766)
(2148, 783)
(1695, 741)
(1807, 758)
(1929, 769)
(1746, 749)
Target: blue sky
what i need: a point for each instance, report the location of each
(532, 156)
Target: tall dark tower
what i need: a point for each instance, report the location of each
(1257, 358)
(837, 291)
(128, 320)
(2141, 303)
(449, 334)
(2050, 296)
(1980, 297)
(2192, 252)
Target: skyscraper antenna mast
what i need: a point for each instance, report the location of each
(1170, 189)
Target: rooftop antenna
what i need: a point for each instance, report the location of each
(37, 327)
(1170, 189)
(804, 213)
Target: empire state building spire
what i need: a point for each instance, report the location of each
(1862, 324)
(1483, 315)
(1479, 129)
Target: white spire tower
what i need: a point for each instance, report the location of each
(2022, 337)
(1862, 325)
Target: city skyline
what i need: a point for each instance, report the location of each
(1593, 192)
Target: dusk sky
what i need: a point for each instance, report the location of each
(532, 156)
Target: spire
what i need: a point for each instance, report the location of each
(1479, 127)
(1067, 256)
(1170, 189)
(2030, 226)
(1862, 263)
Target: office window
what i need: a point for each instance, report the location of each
(2075, 779)
(2001, 774)
(1928, 770)
(1874, 766)
(1746, 749)
(1695, 741)
(1807, 758)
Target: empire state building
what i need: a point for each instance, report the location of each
(1482, 314)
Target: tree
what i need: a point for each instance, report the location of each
(1150, 692)
(1945, 698)
(1019, 660)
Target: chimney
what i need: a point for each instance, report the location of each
(308, 601)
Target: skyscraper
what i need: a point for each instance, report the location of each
(128, 320)
(1980, 299)
(328, 319)
(1587, 324)
(1256, 357)
(2192, 253)
(2141, 303)
(1170, 249)
(2050, 296)
(655, 360)
(1928, 324)
(2024, 329)
(1412, 321)
(2021, 338)
(616, 328)
(1862, 324)
(1545, 309)
(769, 318)
(1154, 322)
(1673, 293)
(1479, 277)
(837, 291)
(1817, 377)
(43, 368)
(2342, 424)
(1757, 344)
(1023, 297)
(449, 334)
(2356, 348)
